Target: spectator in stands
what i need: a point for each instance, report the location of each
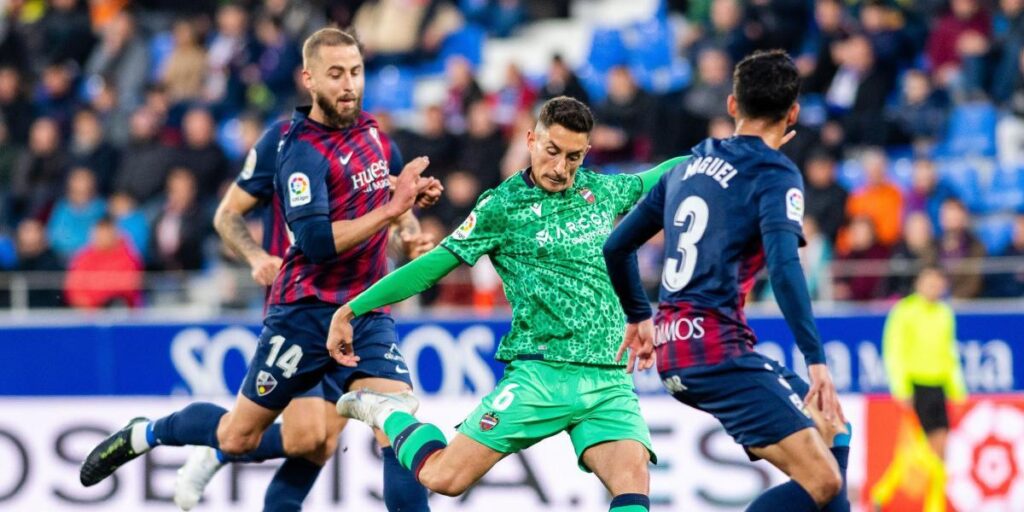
(122, 58)
(130, 222)
(825, 197)
(66, 32)
(863, 280)
(879, 200)
(562, 81)
(515, 97)
(107, 272)
(433, 141)
(299, 19)
(75, 213)
(463, 91)
(35, 255)
(176, 242)
(1011, 284)
(40, 171)
(461, 189)
(927, 192)
(231, 49)
(14, 51)
(55, 96)
(820, 67)
(771, 24)
(275, 63)
(725, 32)
(399, 32)
(144, 169)
(517, 156)
(915, 251)
(14, 105)
(88, 149)
(201, 154)
(882, 23)
(1010, 128)
(623, 129)
(960, 249)
(919, 117)
(9, 155)
(482, 147)
(115, 120)
(706, 99)
(500, 17)
(185, 69)
(859, 90)
(962, 33)
(1007, 43)
(816, 258)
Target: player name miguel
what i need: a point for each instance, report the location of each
(715, 168)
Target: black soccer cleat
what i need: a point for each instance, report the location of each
(112, 453)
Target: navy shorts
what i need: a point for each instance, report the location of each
(757, 400)
(291, 360)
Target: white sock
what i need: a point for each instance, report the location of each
(138, 437)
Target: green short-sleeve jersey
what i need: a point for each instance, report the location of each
(547, 249)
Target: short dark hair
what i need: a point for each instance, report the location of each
(570, 113)
(328, 36)
(766, 85)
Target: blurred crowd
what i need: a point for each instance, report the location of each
(122, 122)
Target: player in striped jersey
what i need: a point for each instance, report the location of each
(343, 149)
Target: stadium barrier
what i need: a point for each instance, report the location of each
(65, 386)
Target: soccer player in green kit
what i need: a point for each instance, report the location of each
(543, 229)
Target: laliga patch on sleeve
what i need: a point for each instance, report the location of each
(250, 165)
(298, 189)
(795, 205)
(463, 231)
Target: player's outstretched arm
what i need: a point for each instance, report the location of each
(229, 221)
(620, 257)
(408, 280)
(651, 176)
(790, 288)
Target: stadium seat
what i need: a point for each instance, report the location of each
(1006, 193)
(971, 131)
(995, 231)
(390, 89)
(962, 177)
(851, 174)
(467, 42)
(160, 48)
(652, 56)
(901, 171)
(607, 50)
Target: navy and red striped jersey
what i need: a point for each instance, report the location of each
(341, 173)
(257, 179)
(714, 210)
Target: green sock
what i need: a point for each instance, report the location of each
(413, 441)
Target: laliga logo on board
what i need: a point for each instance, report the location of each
(985, 457)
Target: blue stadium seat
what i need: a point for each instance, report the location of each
(160, 47)
(995, 231)
(901, 171)
(652, 57)
(607, 50)
(851, 174)
(1006, 193)
(467, 42)
(971, 131)
(594, 81)
(962, 177)
(389, 89)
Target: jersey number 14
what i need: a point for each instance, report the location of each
(692, 218)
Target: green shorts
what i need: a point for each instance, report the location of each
(538, 399)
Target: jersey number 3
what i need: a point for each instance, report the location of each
(692, 218)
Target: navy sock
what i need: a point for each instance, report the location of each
(840, 503)
(402, 493)
(788, 496)
(290, 485)
(630, 503)
(271, 447)
(195, 425)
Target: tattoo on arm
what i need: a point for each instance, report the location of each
(235, 232)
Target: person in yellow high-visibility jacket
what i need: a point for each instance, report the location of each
(921, 357)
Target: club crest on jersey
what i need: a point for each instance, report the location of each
(265, 383)
(298, 189)
(488, 421)
(587, 195)
(795, 205)
(463, 231)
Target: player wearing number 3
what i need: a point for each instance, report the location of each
(737, 204)
(543, 229)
